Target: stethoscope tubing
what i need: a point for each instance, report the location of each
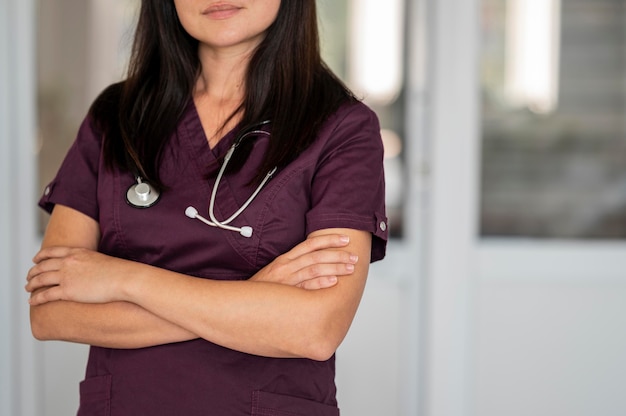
(142, 195)
(245, 231)
(221, 174)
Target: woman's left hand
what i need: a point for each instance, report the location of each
(75, 274)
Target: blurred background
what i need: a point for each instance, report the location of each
(504, 121)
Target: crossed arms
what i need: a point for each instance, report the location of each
(300, 305)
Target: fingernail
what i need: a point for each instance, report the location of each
(344, 239)
(332, 279)
(354, 258)
(350, 267)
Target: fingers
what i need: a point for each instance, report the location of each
(316, 262)
(42, 280)
(323, 263)
(42, 267)
(318, 243)
(323, 282)
(41, 275)
(51, 252)
(44, 296)
(317, 270)
(312, 269)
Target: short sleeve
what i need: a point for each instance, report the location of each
(76, 183)
(348, 189)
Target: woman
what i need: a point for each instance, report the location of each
(187, 319)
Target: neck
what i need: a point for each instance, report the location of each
(223, 73)
(220, 91)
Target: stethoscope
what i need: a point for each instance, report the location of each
(143, 195)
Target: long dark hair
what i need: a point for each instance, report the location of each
(286, 82)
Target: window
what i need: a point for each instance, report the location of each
(553, 119)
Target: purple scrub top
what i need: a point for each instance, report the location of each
(336, 183)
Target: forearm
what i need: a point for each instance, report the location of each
(274, 319)
(112, 325)
(257, 318)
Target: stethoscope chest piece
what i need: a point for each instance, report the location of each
(142, 195)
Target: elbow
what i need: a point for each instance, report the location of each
(321, 353)
(38, 334)
(322, 347)
(324, 336)
(37, 326)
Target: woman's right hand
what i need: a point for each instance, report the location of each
(315, 263)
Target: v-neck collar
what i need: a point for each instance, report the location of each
(196, 141)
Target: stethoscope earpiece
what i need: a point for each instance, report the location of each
(245, 231)
(142, 195)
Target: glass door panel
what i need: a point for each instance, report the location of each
(553, 119)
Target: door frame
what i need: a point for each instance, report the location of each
(19, 352)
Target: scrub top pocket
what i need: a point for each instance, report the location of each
(272, 404)
(95, 396)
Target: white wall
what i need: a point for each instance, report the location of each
(549, 329)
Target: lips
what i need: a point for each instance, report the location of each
(221, 10)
